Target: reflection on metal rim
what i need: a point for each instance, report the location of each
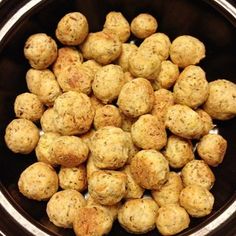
(31, 228)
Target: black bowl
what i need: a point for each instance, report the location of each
(213, 22)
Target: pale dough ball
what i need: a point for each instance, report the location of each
(181, 120)
(38, 181)
(126, 122)
(117, 23)
(178, 151)
(207, 121)
(191, 88)
(72, 29)
(86, 138)
(96, 103)
(43, 84)
(107, 115)
(212, 149)
(158, 44)
(108, 82)
(221, 102)
(90, 166)
(43, 147)
(103, 47)
(66, 56)
(21, 136)
(143, 25)
(93, 66)
(133, 150)
(169, 73)
(128, 76)
(149, 169)
(163, 99)
(144, 63)
(172, 219)
(40, 50)
(107, 187)
(28, 106)
(92, 220)
(69, 151)
(75, 78)
(187, 50)
(73, 178)
(136, 98)
(127, 50)
(133, 189)
(73, 113)
(109, 148)
(196, 200)
(63, 207)
(149, 133)
(138, 216)
(170, 191)
(47, 121)
(198, 172)
(112, 209)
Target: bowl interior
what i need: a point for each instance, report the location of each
(197, 18)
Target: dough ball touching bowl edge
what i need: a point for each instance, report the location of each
(31, 17)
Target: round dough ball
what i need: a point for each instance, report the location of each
(86, 138)
(181, 120)
(72, 29)
(107, 115)
(163, 100)
(21, 136)
(172, 219)
(149, 133)
(133, 150)
(186, 50)
(43, 147)
(104, 47)
(107, 187)
(212, 149)
(178, 151)
(66, 56)
(43, 84)
(207, 121)
(145, 64)
(69, 151)
(126, 122)
(191, 88)
(108, 82)
(112, 210)
(138, 216)
(110, 148)
(38, 181)
(169, 73)
(40, 50)
(221, 102)
(196, 200)
(47, 121)
(92, 220)
(149, 169)
(136, 98)
(96, 103)
(28, 106)
(90, 166)
(63, 207)
(143, 25)
(93, 66)
(128, 76)
(158, 44)
(75, 78)
(73, 178)
(73, 113)
(117, 23)
(133, 189)
(170, 191)
(198, 172)
(127, 50)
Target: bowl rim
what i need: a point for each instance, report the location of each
(31, 226)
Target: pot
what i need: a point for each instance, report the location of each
(212, 21)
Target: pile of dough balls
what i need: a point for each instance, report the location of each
(109, 120)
